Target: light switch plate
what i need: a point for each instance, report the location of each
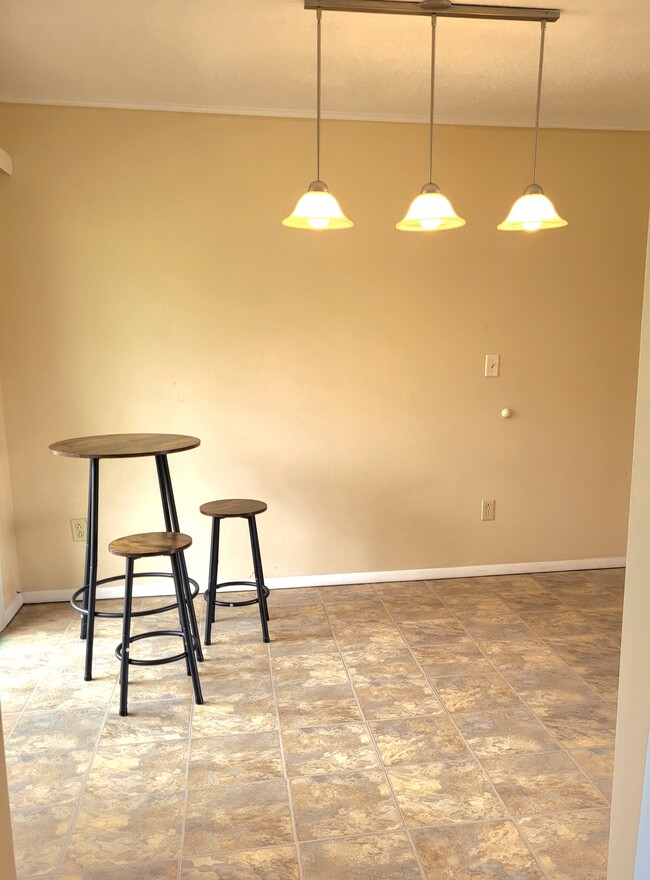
(492, 363)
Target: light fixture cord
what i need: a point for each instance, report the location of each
(539, 97)
(319, 16)
(434, 22)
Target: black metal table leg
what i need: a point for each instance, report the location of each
(183, 592)
(171, 524)
(84, 598)
(191, 612)
(162, 482)
(90, 573)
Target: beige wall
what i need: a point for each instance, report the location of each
(633, 721)
(8, 557)
(148, 285)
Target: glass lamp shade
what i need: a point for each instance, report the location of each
(317, 209)
(430, 212)
(531, 212)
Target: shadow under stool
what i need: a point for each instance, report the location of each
(149, 544)
(231, 508)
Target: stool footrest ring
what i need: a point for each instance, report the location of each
(120, 577)
(160, 661)
(251, 586)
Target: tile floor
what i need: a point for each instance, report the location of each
(444, 729)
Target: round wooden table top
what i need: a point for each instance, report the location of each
(124, 445)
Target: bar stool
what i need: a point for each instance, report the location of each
(228, 509)
(170, 544)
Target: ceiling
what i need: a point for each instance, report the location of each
(258, 57)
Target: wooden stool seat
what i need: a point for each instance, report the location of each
(150, 544)
(233, 507)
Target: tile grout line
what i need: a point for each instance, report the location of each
(533, 633)
(532, 709)
(522, 700)
(550, 647)
(187, 765)
(517, 820)
(187, 791)
(90, 767)
(381, 763)
(292, 816)
(84, 785)
(447, 825)
(41, 675)
(508, 815)
(568, 607)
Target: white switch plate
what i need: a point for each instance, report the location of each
(492, 362)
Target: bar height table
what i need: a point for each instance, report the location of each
(123, 446)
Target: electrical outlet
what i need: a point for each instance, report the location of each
(79, 528)
(487, 510)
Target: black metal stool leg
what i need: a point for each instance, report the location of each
(171, 524)
(189, 605)
(214, 556)
(126, 637)
(90, 594)
(257, 555)
(191, 641)
(210, 611)
(259, 577)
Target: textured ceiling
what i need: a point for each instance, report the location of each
(258, 57)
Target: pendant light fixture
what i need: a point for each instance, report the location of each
(534, 211)
(317, 208)
(430, 211)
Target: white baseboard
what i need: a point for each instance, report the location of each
(11, 611)
(349, 578)
(434, 574)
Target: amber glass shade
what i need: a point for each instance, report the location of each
(317, 209)
(531, 212)
(430, 212)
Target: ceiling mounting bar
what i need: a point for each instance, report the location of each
(454, 10)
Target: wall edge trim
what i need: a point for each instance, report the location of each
(11, 611)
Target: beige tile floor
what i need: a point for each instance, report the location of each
(443, 729)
